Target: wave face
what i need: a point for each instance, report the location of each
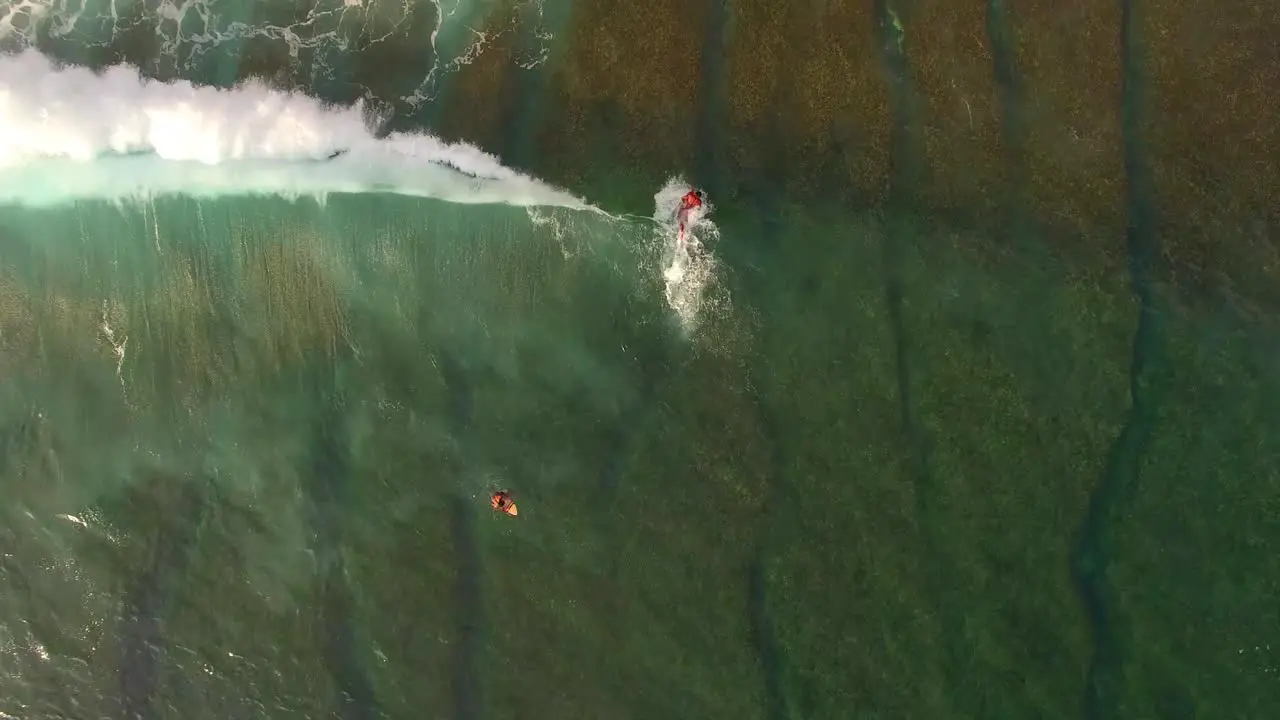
(77, 135)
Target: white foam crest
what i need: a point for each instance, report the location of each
(73, 134)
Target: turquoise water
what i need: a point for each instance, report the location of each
(249, 442)
(260, 369)
(247, 446)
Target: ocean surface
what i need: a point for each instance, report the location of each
(274, 325)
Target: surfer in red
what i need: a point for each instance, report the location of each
(501, 501)
(691, 201)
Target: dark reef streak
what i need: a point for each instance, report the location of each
(148, 600)
(458, 393)
(467, 558)
(764, 640)
(761, 196)
(525, 88)
(1013, 125)
(781, 504)
(713, 102)
(328, 483)
(469, 606)
(904, 161)
(902, 201)
(712, 173)
(1095, 545)
(449, 45)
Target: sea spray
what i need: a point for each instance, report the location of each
(73, 134)
(689, 267)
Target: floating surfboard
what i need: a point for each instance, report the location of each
(502, 502)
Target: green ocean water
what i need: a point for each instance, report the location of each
(260, 436)
(248, 444)
(886, 465)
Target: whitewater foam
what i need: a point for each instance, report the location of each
(689, 267)
(73, 134)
